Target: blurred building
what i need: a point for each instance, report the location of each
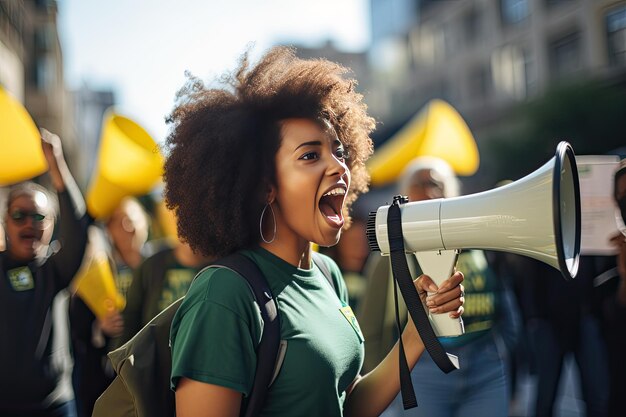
(483, 56)
(31, 63)
(31, 67)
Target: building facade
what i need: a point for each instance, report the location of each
(32, 64)
(483, 56)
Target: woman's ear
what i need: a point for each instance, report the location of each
(271, 194)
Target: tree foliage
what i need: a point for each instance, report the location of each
(591, 116)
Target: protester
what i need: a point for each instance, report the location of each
(126, 232)
(491, 320)
(34, 345)
(424, 179)
(267, 165)
(614, 305)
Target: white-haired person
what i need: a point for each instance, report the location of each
(35, 361)
(480, 386)
(122, 236)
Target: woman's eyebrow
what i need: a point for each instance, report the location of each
(310, 143)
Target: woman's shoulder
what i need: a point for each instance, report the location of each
(217, 298)
(220, 285)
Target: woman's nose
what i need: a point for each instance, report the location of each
(336, 165)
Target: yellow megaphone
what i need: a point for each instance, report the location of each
(21, 156)
(130, 164)
(96, 287)
(437, 130)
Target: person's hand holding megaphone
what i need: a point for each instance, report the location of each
(448, 297)
(112, 324)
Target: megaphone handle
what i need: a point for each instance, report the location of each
(439, 265)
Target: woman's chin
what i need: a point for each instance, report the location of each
(329, 240)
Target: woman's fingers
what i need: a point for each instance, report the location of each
(424, 283)
(452, 282)
(448, 301)
(447, 298)
(456, 314)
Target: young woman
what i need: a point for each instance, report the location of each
(266, 166)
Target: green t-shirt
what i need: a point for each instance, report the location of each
(218, 327)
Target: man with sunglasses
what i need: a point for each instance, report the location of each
(35, 365)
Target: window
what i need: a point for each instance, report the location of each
(44, 4)
(513, 11)
(44, 73)
(510, 66)
(616, 36)
(565, 55)
(553, 3)
(471, 25)
(44, 37)
(480, 83)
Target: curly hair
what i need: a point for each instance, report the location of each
(223, 142)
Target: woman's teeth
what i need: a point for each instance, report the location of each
(335, 191)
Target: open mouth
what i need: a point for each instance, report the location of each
(331, 205)
(28, 236)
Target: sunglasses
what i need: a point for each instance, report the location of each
(19, 217)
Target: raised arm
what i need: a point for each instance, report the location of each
(73, 220)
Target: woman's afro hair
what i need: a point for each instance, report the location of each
(223, 141)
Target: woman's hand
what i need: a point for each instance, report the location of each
(447, 298)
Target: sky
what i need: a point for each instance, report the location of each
(141, 49)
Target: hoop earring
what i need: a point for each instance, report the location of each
(261, 223)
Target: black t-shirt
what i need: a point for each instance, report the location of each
(34, 363)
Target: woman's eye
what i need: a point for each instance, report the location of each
(309, 156)
(341, 153)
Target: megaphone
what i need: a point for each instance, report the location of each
(21, 155)
(537, 216)
(95, 285)
(437, 130)
(129, 164)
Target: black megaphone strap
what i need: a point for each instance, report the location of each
(402, 276)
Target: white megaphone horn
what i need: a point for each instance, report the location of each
(537, 216)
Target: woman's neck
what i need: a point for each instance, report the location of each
(297, 254)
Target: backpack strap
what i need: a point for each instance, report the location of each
(270, 339)
(318, 260)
